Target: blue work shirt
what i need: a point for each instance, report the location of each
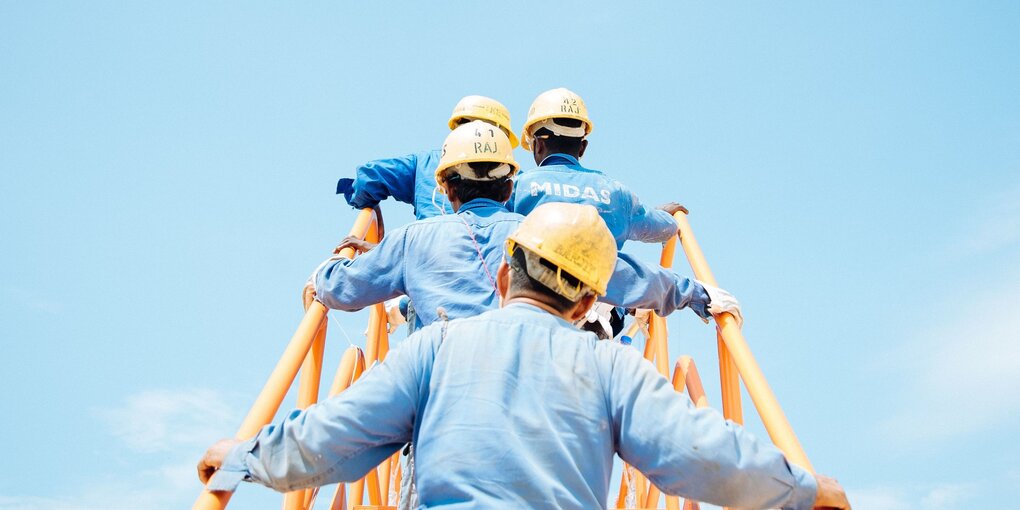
(516, 408)
(410, 179)
(438, 262)
(561, 178)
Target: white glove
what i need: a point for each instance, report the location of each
(598, 314)
(722, 301)
(393, 315)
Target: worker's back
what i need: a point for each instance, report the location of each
(515, 416)
(523, 410)
(561, 178)
(447, 261)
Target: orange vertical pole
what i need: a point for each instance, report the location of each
(693, 381)
(680, 385)
(641, 484)
(383, 346)
(621, 498)
(729, 382)
(657, 328)
(352, 365)
(764, 399)
(652, 498)
(696, 391)
(308, 394)
(659, 331)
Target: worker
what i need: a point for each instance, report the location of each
(450, 261)
(411, 179)
(556, 133)
(516, 408)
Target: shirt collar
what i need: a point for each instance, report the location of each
(478, 204)
(539, 313)
(560, 159)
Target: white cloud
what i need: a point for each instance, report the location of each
(163, 421)
(166, 430)
(947, 497)
(967, 365)
(879, 498)
(938, 497)
(991, 229)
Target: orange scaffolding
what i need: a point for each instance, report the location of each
(306, 347)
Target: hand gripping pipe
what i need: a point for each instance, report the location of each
(758, 388)
(280, 380)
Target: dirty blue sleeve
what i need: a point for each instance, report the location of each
(340, 439)
(691, 452)
(377, 180)
(649, 225)
(369, 278)
(635, 284)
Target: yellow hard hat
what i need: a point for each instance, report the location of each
(556, 104)
(476, 142)
(572, 237)
(484, 108)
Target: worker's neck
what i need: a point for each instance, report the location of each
(522, 299)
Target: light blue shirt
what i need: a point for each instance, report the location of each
(410, 179)
(561, 178)
(516, 408)
(451, 261)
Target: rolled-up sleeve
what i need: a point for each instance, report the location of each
(377, 180)
(635, 284)
(649, 225)
(370, 278)
(693, 452)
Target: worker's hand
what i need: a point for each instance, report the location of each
(673, 208)
(358, 245)
(213, 458)
(830, 494)
(308, 295)
(721, 301)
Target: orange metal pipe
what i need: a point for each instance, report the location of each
(661, 335)
(652, 499)
(679, 384)
(308, 394)
(764, 399)
(273, 392)
(729, 382)
(352, 365)
(357, 494)
(692, 380)
(362, 229)
(621, 498)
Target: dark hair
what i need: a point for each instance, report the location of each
(557, 144)
(466, 190)
(523, 282)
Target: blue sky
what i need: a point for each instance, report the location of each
(852, 170)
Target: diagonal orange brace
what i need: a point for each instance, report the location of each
(764, 399)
